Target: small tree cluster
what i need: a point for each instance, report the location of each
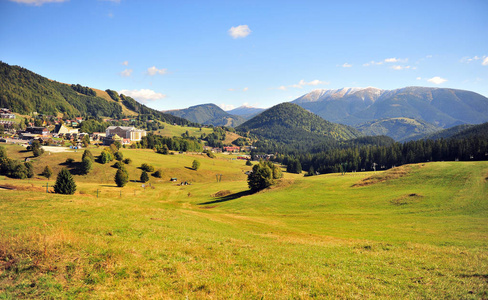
(158, 173)
(86, 162)
(263, 175)
(294, 166)
(15, 169)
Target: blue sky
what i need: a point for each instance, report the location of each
(175, 54)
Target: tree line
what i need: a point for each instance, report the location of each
(370, 157)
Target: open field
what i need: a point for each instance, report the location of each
(419, 231)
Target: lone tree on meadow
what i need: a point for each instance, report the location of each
(121, 178)
(195, 165)
(263, 175)
(65, 183)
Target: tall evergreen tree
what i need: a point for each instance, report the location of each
(144, 176)
(65, 183)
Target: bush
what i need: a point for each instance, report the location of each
(127, 161)
(209, 153)
(87, 153)
(121, 178)
(48, 172)
(248, 162)
(144, 176)
(119, 156)
(158, 173)
(105, 157)
(86, 165)
(65, 183)
(36, 148)
(29, 169)
(147, 168)
(70, 161)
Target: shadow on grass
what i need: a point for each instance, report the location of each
(227, 198)
(190, 168)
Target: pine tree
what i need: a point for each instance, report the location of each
(65, 183)
(87, 153)
(121, 178)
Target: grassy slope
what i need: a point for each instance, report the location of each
(308, 237)
(106, 96)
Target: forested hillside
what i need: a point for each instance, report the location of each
(25, 92)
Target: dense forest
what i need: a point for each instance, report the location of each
(374, 157)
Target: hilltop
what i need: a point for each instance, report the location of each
(292, 125)
(208, 114)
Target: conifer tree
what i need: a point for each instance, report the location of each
(48, 172)
(121, 178)
(65, 183)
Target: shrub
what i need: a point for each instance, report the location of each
(70, 161)
(29, 169)
(65, 183)
(147, 168)
(86, 165)
(127, 161)
(121, 178)
(48, 172)
(158, 173)
(119, 156)
(105, 157)
(248, 162)
(87, 153)
(144, 176)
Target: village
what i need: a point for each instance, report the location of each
(52, 132)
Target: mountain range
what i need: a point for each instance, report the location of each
(442, 107)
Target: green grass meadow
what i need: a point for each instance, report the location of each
(414, 232)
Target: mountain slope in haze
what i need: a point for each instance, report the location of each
(442, 107)
(399, 129)
(208, 114)
(246, 112)
(24, 91)
(291, 124)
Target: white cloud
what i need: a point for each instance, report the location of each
(226, 107)
(419, 78)
(372, 63)
(303, 83)
(346, 65)
(240, 31)
(125, 63)
(437, 80)
(485, 61)
(153, 71)
(245, 89)
(398, 67)
(396, 60)
(143, 95)
(38, 2)
(231, 90)
(126, 73)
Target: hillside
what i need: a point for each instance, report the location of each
(362, 235)
(399, 129)
(442, 107)
(292, 125)
(208, 114)
(25, 92)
